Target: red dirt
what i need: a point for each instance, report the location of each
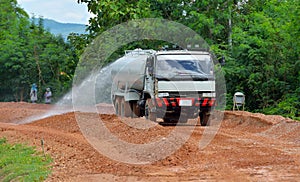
(247, 147)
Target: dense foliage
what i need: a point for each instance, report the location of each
(30, 54)
(259, 39)
(265, 53)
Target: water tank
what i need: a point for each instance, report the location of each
(128, 71)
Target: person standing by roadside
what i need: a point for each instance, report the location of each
(48, 95)
(33, 93)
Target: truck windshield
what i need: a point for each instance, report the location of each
(184, 66)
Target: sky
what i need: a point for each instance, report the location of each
(64, 11)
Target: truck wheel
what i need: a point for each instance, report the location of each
(148, 113)
(117, 105)
(135, 110)
(204, 116)
(125, 109)
(167, 120)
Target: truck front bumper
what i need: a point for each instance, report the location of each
(187, 107)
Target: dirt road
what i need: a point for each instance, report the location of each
(246, 147)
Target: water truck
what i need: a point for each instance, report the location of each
(174, 85)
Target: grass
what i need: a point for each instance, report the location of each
(22, 163)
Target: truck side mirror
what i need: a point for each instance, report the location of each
(150, 65)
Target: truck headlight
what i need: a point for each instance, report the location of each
(209, 95)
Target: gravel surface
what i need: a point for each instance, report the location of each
(246, 147)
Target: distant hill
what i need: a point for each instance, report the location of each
(63, 29)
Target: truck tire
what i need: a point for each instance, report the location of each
(148, 113)
(135, 110)
(204, 117)
(125, 109)
(167, 120)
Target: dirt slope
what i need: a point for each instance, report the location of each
(247, 147)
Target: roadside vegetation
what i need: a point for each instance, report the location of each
(259, 40)
(22, 163)
(31, 54)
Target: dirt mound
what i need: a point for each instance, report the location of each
(64, 123)
(11, 112)
(271, 126)
(247, 147)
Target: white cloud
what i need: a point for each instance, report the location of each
(67, 11)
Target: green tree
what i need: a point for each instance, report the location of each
(13, 20)
(30, 54)
(259, 38)
(264, 35)
(110, 13)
